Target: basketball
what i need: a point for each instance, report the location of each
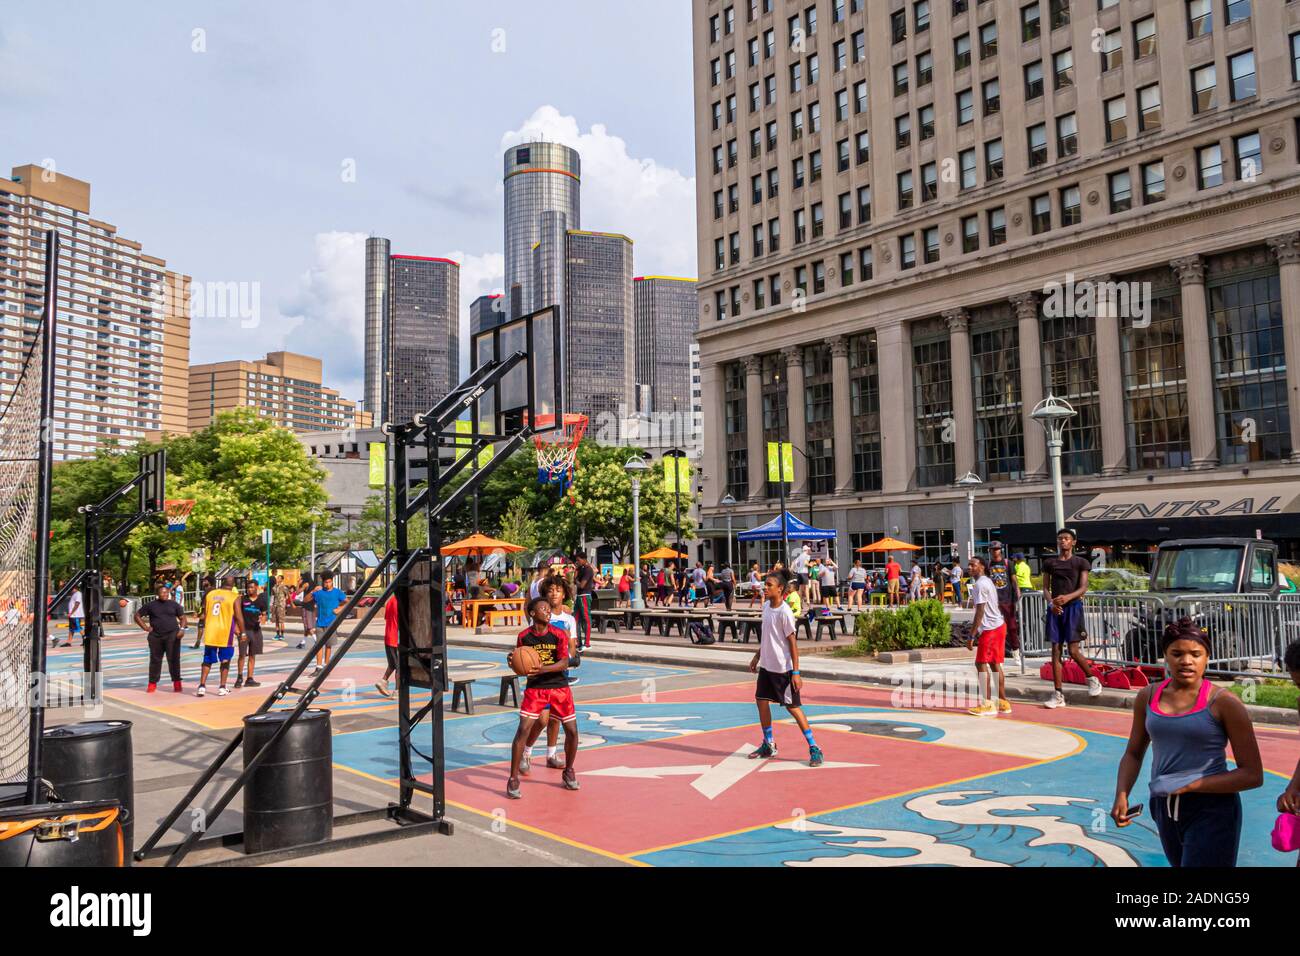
(523, 660)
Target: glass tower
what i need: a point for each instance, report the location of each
(424, 353)
(539, 178)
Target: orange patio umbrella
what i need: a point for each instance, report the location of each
(479, 544)
(663, 554)
(888, 544)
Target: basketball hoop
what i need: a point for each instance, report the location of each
(557, 449)
(177, 511)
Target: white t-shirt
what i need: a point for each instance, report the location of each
(828, 576)
(983, 592)
(800, 563)
(774, 650)
(535, 589)
(75, 606)
(858, 575)
(565, 621)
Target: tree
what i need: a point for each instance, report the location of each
(518, 526)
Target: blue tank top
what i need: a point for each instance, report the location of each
(1185, 748)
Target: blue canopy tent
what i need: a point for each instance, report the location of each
(795, 530)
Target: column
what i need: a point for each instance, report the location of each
(1287, 250)
(897, 434)
(1031, 384)
(1197, 360)
(842, 413)
(963, 391)
(754, 428)
(798, 432)
(1110, 378)
(713, 395)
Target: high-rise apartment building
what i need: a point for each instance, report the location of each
(917, 220)
(667, 316)
(285, 388)
(600, 327)
(424, 351)
(122, 348)
(539, 177)
(378, 254)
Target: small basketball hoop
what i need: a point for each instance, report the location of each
(177, 511)
(557, 448)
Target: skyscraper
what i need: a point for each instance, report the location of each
(539, 177)
(285, 387)
(122, 349)
(667, 315)
(599, 339)
(378, 252)
(485, 312)
(424, 299)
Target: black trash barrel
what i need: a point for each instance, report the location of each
(289, 798)
(83, 833)
(92, 761)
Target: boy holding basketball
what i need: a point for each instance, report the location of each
(777, 666)
(548, 686)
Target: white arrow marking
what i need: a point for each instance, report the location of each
(713, 780)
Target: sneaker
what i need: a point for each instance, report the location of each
(987, 709)
(314, 671)
(252, 683)
(525, 765)
(555, 763)
(815, 756)
(1094, 687)
(176, 686)
(570, 779)
(153, 689)
(301, 645)
(1004, 706)
(201, 691)
(512, 788)
(222, 692)
(1056, 700)
(763, 751)
(239, 682)
(383, 688)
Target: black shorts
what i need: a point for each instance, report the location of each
(803, 577)
(251, 645)
(391, 654)
(777, 688)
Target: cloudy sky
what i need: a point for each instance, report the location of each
(255, 142)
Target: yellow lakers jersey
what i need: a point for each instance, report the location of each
(219, 617)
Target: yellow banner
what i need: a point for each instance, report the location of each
(776, 466)
(378, 464)
(463, 445)
(677, 475)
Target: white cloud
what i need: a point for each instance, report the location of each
(652, 204)
(325, 315)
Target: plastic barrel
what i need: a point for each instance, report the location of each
(92, 761)
(43, 835)
(289, 798)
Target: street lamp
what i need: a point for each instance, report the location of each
(1054, 415)
(969, 482)
(728, 502)
(635, 468)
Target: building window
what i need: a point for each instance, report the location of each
(774, 239)
(924, 69)
(1242, 70)
(864, 205)
(929, 182)
(1031, 26)
(1070, 372)
(1238, 10)
(846, 210)
(1040, 214)
(760, 295)
(1144, 37)
(992, 92)
(860, 97)
(965, 107)
(997, 226)
(932, 386)
(1071, 207)
(720, 305)
(1209, 166)
(866, 264)
(737, 444)
(961, 52)
(925, 123)
(900, 78)
(1034, 80)
(905, 190)
(898, 26)
(1036, 136)
(819, 418)
(1116, 119)
(902, 131)
(801, 280)
(819, 277)
(841, 106)
(995, 377)
(1203, 89)
(1200, 18)
(1067, 135)
(1112, 51)
(989, 40)
(907, 252)
(774, 286)
(815, 164)
(1058, 13)
(846, 269)
(970, 234)
(863, 144)
(936, 545)
(930, 237)
(864, 404)
(1295, 57)
(1121, 191)
(1063, 69)
(921, 15)
(1153, 182)
(967, 164)
(800, 227)
(1155, 383)
(1254, 423)
(1149, 117)
(1249, 159)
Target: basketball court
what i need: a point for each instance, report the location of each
(666, 780)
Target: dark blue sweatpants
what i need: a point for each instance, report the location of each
(1207, 831)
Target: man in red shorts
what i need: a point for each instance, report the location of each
(989, 630)
(548, 686)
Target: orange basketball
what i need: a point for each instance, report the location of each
(523, 660)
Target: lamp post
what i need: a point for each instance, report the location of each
(729, 503)
(1054, 415)
(635, 468)
(969, 482)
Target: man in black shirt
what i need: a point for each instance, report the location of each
(1065, 582)
(163, 620)
(250, 645)
(1002, 575)
(585, 585)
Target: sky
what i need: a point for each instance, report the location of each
(261, 143)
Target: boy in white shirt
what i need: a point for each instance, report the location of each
(990, 631)
(777, 666)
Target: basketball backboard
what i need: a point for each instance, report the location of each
(533, 388)
(153, 481)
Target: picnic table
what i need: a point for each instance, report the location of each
(472, 608)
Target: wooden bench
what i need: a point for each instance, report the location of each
(742, 626)
(462, 690)
(511, 616)
(605, 619)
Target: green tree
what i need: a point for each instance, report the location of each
(518, 526)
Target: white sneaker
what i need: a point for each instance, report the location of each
(201, 691)
(1094, 687)
(301, 645)
(1056, 700)
(314, 671)
(222, 692)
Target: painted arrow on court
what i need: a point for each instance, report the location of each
(713, 780)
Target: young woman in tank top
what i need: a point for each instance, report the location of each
(1189, 723)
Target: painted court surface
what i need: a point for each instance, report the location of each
(666, 780)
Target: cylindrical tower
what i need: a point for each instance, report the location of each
(539, 177)
(378, 253)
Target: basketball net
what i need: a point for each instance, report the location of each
(177, 511)
(557, 450)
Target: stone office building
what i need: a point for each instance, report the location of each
(919, 219)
